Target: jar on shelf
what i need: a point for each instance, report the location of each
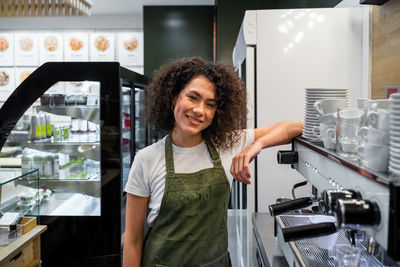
(70, 100)
(46, 100)
(81, 99)
(59, 99)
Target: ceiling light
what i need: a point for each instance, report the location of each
(40, 8)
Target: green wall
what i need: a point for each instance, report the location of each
(171, 32)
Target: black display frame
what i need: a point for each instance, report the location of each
(82, 240)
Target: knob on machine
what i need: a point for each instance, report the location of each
(287, 157)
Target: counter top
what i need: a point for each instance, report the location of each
(10, 251)
(263, 228)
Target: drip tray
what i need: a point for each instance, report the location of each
(306, 252)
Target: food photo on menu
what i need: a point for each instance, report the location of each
(76, 44)
(51, 43)
(3, 44)
(102, 43)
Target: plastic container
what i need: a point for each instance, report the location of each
(38, 164)
(92, 100)
(8, 235)
(48, 166)
(74, 125)
(56, 165)
(83, 126)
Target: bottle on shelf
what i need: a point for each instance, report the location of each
(49, 130)
(35, 128)
(42, 119)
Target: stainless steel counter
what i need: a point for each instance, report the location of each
(266, 251)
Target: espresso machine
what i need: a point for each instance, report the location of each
(351, 205)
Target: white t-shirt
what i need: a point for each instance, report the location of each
(148, 171)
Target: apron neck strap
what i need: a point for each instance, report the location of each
(213, 152)
(169, 160)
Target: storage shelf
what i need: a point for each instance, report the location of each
(90, 150)
(89, 113)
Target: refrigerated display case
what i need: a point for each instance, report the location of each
(81, 144)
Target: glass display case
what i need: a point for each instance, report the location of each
(70, 123)
(19, 192)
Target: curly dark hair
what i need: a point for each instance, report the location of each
(230, 115)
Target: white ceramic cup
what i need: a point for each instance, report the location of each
(327, 119)
(376, 104)
(328, 138)
(376, 156)
(379, 119)
(374, 136)
(329, 106)
(349, 116)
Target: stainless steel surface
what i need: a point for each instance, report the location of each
(326, 170)
(89, 113)
(310, 254)
(263, 229)
(90, 150)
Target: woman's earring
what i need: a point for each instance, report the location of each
(172, 108)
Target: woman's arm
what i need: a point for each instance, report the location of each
(134, 224)
(277, 134)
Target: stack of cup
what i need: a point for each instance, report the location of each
(312, 117)
(394, 154)
(326, 131)
(374, 152)
(349, 121)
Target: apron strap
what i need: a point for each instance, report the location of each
(169, 160)
(214, 154)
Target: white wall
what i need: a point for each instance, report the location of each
(117, 21)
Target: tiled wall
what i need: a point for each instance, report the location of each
(385, 47)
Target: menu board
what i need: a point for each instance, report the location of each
(50, 47)
(130, 48)
(6, 49)
(6, 82)
(26, 49)
(21, 74)
(76, 46)
(101, 46)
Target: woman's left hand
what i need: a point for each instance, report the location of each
(240, 163)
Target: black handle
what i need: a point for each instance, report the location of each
(287, 157)
(308, 231)
(279, 208)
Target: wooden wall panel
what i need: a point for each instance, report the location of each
(385, 47)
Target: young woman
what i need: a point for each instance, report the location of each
(184, 179)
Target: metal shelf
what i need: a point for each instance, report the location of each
(90, 186)
(79, 149)
(89, 113)
(355, 165)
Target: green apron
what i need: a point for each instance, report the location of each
(191, 227)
